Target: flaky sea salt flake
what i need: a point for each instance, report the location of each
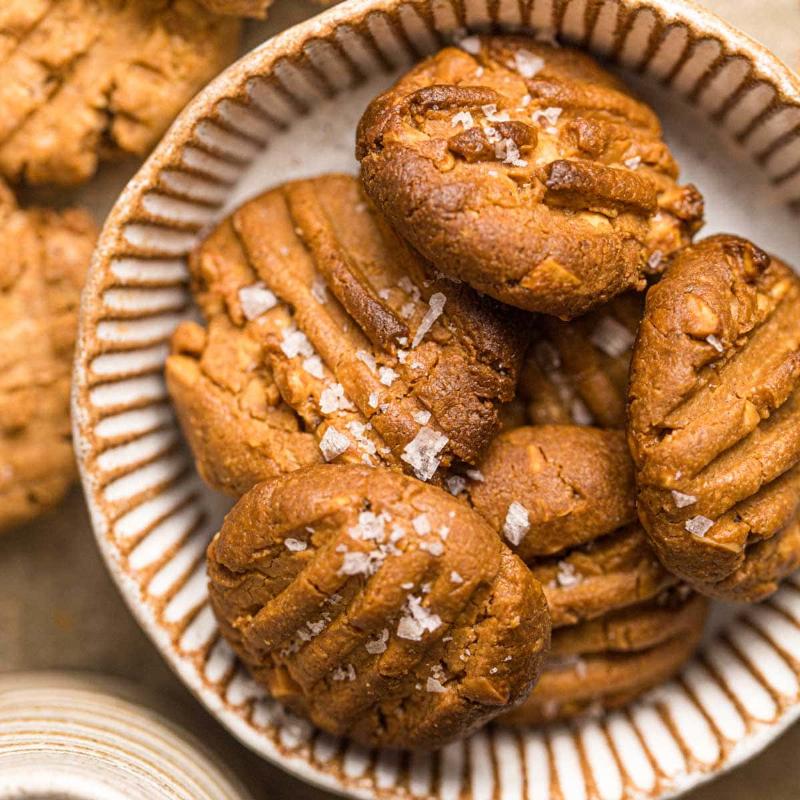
(612, 337)
(295, 343)
(517, 523)
(334, 399)
(256, 300)
(470, 44)
(683, 500)
(416, 620)
(422, 452)
(333, 444)
(295, 545)
(377, 645)
(528, 64)
(463, 118)
(313, 366)
(699, 525)
(435, 307)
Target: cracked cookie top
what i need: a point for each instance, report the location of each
(715, 418)
(527, 171)
(377, 606)
(382, 360)
(45, 257)
(85, 80)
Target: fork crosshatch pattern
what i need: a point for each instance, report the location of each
(153, 518)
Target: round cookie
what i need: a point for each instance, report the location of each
(45, 256)
(577, 372)
(383, 361)
(609, 663)
(380, 608)
(715, 418)
(528, 171)
(86, 80)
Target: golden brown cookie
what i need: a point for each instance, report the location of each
(45, 256)
(527, 171)
(384, 361)
(715, 418)
(577, 372)
(231, 412)
(377, 606)
(85, 80)
(608, 663)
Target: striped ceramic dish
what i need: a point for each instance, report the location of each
(76, 736)
(731, 112)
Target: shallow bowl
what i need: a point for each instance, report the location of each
(731, 112)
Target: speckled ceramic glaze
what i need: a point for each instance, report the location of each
(76, 736)
(731, 113)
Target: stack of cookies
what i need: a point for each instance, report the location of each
(495, 425)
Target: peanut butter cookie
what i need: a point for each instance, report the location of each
(231, 412)
(377, 606)
(563, 498)
(715, 418)
(383, 361)
(527, 171)
(86, 80)
(608, 663)
(45, 256)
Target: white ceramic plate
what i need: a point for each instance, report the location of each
(287, 110)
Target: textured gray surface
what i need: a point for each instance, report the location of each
(60, 610)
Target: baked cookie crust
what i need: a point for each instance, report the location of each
(45, 257)
(377, 606)
(528, 171)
